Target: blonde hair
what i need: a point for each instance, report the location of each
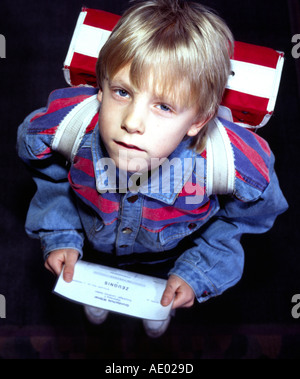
(184, 45)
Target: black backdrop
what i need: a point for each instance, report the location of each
(37, 35)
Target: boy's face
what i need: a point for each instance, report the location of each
(138, 125)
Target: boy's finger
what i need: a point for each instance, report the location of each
(182, 302)
(54, 266)
(70, 262)
(168, 295)
(49, 268)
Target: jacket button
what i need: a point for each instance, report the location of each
(126, 231)
(192, 226)
(133, 199)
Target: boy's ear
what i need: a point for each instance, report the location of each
(99, 95)
(196, 127)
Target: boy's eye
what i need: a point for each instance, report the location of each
(121, 92)
(164, 107)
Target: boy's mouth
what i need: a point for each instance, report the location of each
(131, 147)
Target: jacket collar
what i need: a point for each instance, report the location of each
(164, 183)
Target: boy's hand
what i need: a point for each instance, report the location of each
(184, 294)
(63, 257)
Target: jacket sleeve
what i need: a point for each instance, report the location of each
(52, 216)
(216, 261)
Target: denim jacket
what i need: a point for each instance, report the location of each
(74, 203)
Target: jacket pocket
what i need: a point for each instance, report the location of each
(170, 236)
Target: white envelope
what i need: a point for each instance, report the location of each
(115, 290)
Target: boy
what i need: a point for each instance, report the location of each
(161, 78)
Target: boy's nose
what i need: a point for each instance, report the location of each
(134, 117)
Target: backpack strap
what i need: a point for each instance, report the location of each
(71, 130)
(220, 177)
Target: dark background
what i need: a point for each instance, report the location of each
(253, 319)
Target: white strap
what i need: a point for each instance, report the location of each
(71, 130)
(220, 160)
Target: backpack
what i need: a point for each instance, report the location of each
(249, 98)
